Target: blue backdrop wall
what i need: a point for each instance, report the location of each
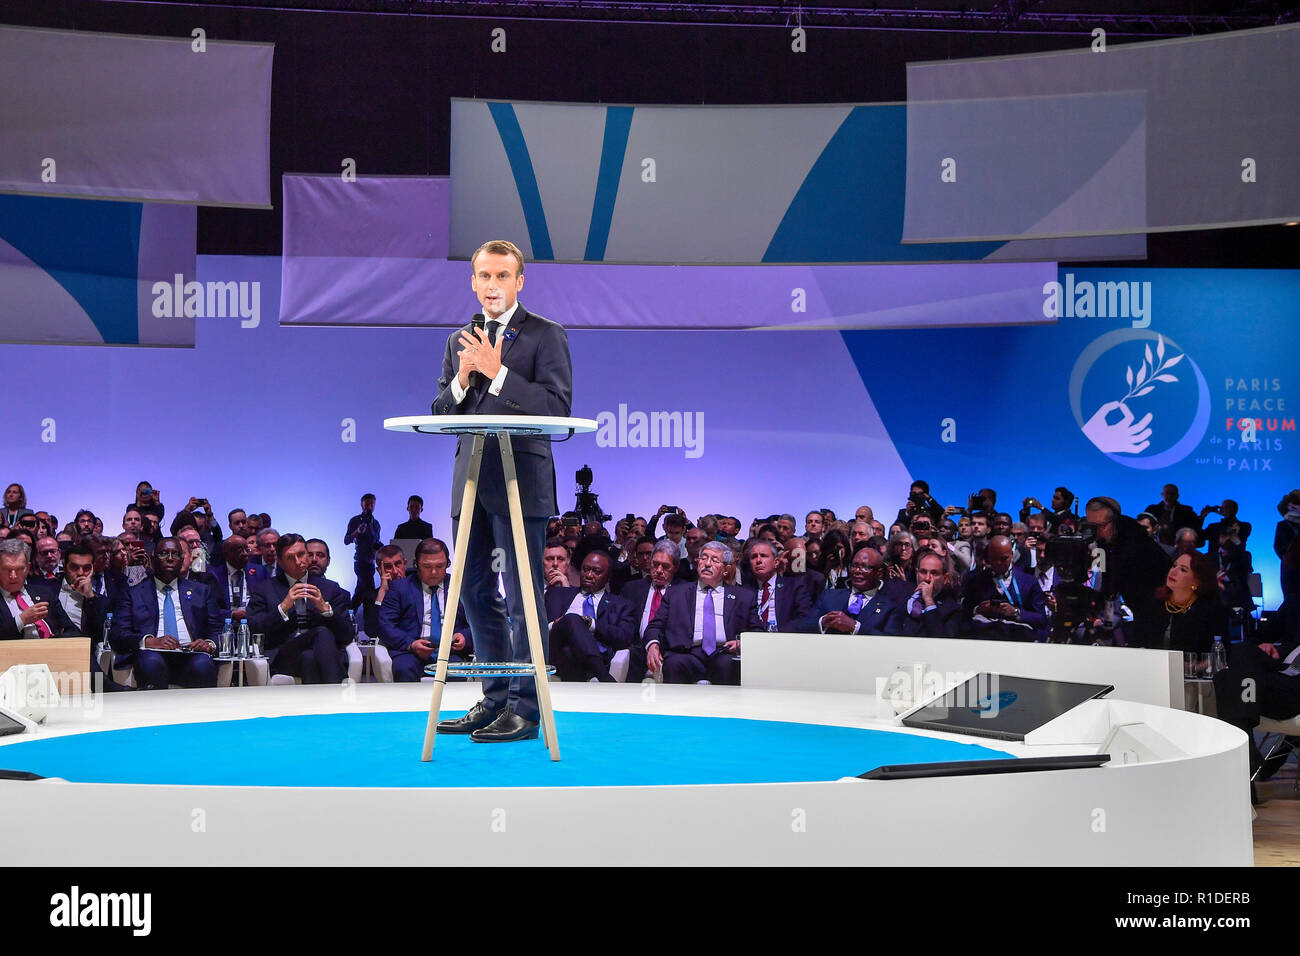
(289, 420)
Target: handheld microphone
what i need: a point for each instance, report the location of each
(477, 322)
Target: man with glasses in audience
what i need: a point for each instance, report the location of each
(168, 628)
(863, 607)
(695, 635)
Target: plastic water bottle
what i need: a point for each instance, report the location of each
(243, 639)
(1218, 656)
(226, 647)
(108, 626)
(352, 625)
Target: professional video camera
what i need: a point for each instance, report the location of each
(1077, 605)
(587, 506)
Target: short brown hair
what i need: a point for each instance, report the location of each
(499, 247)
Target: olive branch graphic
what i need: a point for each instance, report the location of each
(1150, 373)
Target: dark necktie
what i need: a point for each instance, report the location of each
(767, 611)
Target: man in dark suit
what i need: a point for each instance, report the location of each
(636, 567)
(165, 614)
(588, 623)
(412, 610)
(29, 609)
(415, 527)
(782, 600)
(1172, 514)
(236, 576)
(1262, 680)
(646, 595)
(933, 607)
(304, 617)
(696, 632)
(86, 609)
(518, 365)
(864, 607)
(1003, 602)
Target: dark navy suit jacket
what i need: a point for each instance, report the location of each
(540, 382)
(137, 614)
(793, 600)
(878, 616)
(253, 573)
(980, 586)
(673, 627)
(615, 624)
(57, 619)
(264, 617)
(402, 614)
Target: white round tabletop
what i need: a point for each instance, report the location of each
(489, 424)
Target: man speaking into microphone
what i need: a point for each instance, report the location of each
(512, 363)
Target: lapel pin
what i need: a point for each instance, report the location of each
(509, 335)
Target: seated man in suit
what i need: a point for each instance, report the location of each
(695, 634)
(645, 595)
(864, 607)
(30, 609)
(304, 617)
(557, 570)
(782, 600)
(412, 610)
(588, 624)
(933, 607)
(235, 577)
(163, 613)
(85, 609)
(1003, 602)
(1263, 680)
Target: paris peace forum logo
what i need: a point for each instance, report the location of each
(1139, 398)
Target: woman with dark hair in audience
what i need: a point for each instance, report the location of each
(933, 608)
(834, 558)
(1193, 614)
(1288, 529)
(15, 505)
(146, 501)
(899, 553)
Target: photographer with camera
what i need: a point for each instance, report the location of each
(1062, 499)
(919, 502)
(364, 530)
(197, 514)
(147, 501)
(1227, 524)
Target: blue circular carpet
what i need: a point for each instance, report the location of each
(383, 750)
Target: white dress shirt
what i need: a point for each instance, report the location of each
(719, 632)
(576, 606)
(73, 602)
(31, 630)
(182, 634)
(649, 603)
(426, 622)
(233, 575)
(458, 393)
(329, 608)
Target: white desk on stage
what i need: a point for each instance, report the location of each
(503, 427)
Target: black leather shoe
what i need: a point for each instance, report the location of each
(478, 716)
(507, 726)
